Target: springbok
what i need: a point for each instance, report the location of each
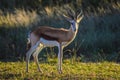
(46, 36)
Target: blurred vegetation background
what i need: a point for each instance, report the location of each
(98, 38)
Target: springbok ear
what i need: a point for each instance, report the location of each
(79, 18)
(67, 18)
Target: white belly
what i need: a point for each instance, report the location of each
(48, 43)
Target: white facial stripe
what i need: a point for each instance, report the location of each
(73, 24)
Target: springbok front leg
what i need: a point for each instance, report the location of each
(29, 53)
(35, 56)
(60, 56)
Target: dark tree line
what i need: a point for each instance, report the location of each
(35, 4)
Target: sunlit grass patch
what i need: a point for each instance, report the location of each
(78, 70)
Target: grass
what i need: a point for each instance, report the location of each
(75, 71)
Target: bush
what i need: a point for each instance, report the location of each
(97, 33)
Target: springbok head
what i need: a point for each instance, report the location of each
(74, 17)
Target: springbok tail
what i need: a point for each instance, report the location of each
(28, 42)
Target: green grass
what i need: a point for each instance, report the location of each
(75, 71)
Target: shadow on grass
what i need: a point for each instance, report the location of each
(9, 76)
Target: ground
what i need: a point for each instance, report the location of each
(71, 71)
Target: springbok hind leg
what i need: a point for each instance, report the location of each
(35, 56)
(28, 54)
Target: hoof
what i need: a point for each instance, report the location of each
(27, 71)
(40, 71)
(60, 72)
